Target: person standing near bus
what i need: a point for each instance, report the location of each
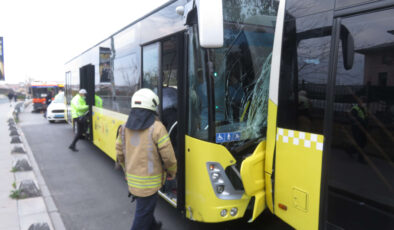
(359, 125)
(145, 152)
(48, 100)
(10, 96)
(98, 102)
(78, 112)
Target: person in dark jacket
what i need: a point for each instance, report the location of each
(48, 100)
(10, 96)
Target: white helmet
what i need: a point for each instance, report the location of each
(145, 99)
(82, 91)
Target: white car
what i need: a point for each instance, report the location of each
(55, 110)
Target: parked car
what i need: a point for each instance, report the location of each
(55, 110)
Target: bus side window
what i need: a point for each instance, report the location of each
(303, 80)
(150, 66)
(360, 168)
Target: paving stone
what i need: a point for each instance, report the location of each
(9, 221)
(27, 220)
(31, 206)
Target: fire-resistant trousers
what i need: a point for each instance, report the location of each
(143, 218)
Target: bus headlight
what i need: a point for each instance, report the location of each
(221, 184)
(220, 188)
(233, 211)
(223, 213)
(215, 176)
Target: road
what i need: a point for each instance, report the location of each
(90, 194)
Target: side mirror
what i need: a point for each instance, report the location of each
(210, 23)
(347, 48)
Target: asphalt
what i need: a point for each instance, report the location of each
(90, 194)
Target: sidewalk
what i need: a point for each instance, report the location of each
(34, 213)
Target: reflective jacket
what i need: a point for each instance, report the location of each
(146, 156)
(78, 106)
(98, 102)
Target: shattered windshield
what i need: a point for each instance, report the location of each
(241, 69)
(236, 75)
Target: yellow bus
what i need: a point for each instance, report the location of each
(286, 106)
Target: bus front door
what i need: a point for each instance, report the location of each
(161, 71)
(86, 79)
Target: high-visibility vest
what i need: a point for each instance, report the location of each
(78, 106)
(98, 102)
(360, 112)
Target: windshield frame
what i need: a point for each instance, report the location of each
(247, 29)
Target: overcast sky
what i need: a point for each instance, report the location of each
(41, 35)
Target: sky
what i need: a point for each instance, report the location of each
(40, 36)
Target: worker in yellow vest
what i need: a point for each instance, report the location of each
(79, 108)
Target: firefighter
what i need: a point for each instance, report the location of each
(79, 108)
(145, 152)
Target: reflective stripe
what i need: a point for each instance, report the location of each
(172, 168)
(139, 182)
(156, 185)
(144, 181)
(144, 177)
(123, 140)
(163, 140)
(150, 151)
(360, 112)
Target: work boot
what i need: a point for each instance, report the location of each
(73, 148)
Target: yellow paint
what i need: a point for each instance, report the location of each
(298, 177)
(268, 192)
(201, 199)
(270, 149)
(252, 174)
(105, 126)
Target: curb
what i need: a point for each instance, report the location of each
(51, 209)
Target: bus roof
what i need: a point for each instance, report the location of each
(129, 25)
